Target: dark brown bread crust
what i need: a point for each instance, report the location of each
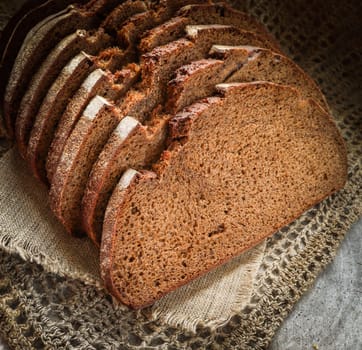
(136, 237)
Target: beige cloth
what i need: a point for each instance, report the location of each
(28, 227)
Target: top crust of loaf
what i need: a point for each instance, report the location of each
(229, 200)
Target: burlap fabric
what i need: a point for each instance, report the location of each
(51, 296)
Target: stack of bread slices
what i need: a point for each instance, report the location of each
(175, 134)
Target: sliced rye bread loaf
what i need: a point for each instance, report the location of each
(70, 46)
(262, 63)
(160, 66)
(239, 167)
(100, 83)
(192, 82)
(220, 13)
(40, 41)
(157, 67)
(12, 36)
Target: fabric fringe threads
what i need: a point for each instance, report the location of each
(40, 308)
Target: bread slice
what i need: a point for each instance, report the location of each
(122, 13)
(39, 42)
(157, 68)
(45, 76)
(219, 13)
(264, 64)
(99, 82)
(198, 79)
(91, 125)
(239, 167)
(159, 65)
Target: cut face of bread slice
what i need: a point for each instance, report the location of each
(100, 83)
(38, 43)
(264, 64)
(238, 168)
(200, 14)
(157, 68)
(52, 108)
(47, 73)
(66, 186)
